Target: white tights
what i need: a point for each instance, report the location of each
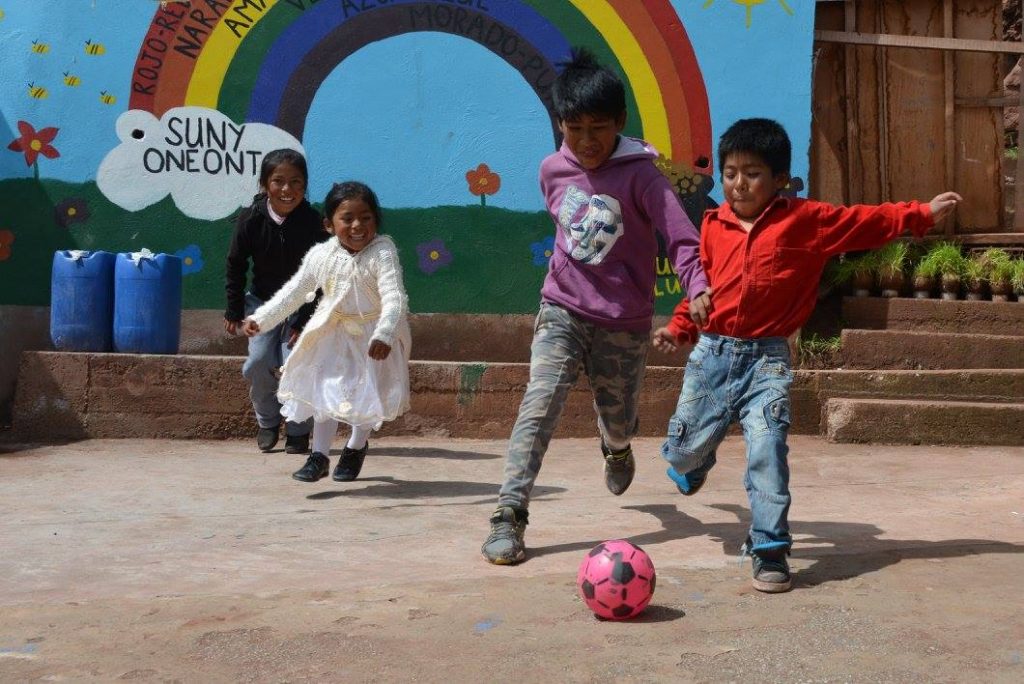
(324, 431)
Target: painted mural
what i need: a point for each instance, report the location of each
(138, 123)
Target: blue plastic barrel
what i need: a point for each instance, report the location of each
(82, 301)
(147, 303)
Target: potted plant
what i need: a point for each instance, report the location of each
(858, 271)
(999, 272)
(974, 277)
(890, 264)
(1017, 279)
(925, 277)
(948, 263)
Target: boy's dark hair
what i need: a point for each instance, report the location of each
(275, 158)
(586, 87)
(762, 137)
(340, 192)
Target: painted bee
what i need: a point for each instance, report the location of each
(106, 98)
(40, 48)
(71, 80)
(92, 48)
(37, 92)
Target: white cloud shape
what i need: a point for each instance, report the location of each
(207, 163)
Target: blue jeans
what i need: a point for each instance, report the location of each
(726, 379)
(267, 353)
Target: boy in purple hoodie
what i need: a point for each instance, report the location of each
(608, 202)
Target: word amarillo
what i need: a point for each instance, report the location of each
(202, 145)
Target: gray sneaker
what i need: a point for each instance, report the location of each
(504, 545)
(771, 569)
(619, 468)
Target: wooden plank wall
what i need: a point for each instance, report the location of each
(905, 130)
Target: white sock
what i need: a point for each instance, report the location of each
(323, 435)
(360, 433)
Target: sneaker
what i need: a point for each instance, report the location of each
(350, 464)
(316, 467)
(688, 484)
(771, 569)
(504, 545)
(296, 444)
(619, 468)
(266, 438)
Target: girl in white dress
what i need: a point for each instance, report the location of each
(351, 364)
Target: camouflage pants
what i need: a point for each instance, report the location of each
(563, 344)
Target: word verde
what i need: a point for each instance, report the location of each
(202, 145)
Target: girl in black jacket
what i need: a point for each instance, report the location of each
(274, 233)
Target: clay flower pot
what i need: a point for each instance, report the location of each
(950, 287)
(1001, 290)
(891, 283)
(862, 284)
(923, 286)
(975, 290)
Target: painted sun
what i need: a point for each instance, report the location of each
(749, 4)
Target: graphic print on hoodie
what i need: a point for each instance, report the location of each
(592, 224)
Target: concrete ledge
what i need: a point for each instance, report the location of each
(901, 421)
(934, 315)
(914, 350)
(75, 396)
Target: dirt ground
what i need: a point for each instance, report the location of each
(164, 561)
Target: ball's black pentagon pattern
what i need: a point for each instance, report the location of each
(622, 571)
(596, 551)
(622, 610)
(587, 588)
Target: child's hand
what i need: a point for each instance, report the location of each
(231, 327)
(664, 341)
(379, 351)
(250, 328)
(943, 205)
(700, 308)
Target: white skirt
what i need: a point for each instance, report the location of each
(330, 375)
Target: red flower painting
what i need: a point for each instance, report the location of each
(34, 143)
(482, 182)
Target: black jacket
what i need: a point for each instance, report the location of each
(276, 252)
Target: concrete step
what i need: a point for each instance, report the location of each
(1004, 385)
(934, 315)
(930, 350)
(907, 421)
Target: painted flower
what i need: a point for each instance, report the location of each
(482, 182)
(6, 240)
(542, 251)
(191, 259)
(71, 210)
(433, 255)
(34, 143)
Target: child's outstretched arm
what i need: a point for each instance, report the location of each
(394, 303)
(848, 229)
(290, 297)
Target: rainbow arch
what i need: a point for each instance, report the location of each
(263, 60)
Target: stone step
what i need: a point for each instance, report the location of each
(907, 421)
(987, 384)
(77, 396)
(934, 315)
(929, 350)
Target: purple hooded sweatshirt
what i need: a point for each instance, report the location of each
(603, 266)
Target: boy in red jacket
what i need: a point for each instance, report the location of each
(763, 255)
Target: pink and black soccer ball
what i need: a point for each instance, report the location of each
(616, 580)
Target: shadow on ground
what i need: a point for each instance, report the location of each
(818, 542)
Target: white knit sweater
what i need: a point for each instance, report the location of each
(366, 285)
